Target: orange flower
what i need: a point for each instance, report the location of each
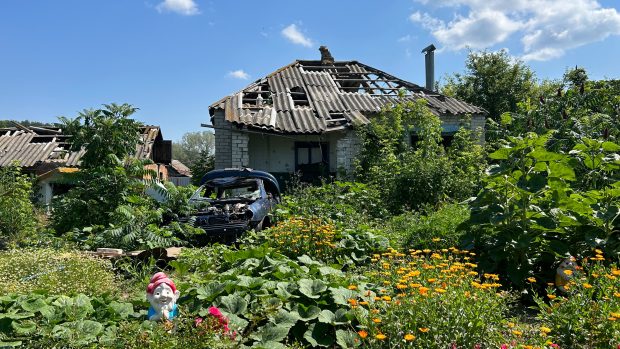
(363, 334)
(352, 287)
(424, 329)
(409, 337)
(531, 279)
(551, 296)
(376, 320)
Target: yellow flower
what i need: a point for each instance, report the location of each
(440, 290)
(587, 285)
(616, 315)
(568, 272)
(531, 279)
(426, 251)
(376, 320)
(544, 329)
(409, 337)
(517, 333)
(424, 329)
(597, 251)
(352, 287)
(551, 296)
(380, 336)
(386, 298)
(436, 239)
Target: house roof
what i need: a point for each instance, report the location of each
(322, 96)
(32, 146)
(180, 169)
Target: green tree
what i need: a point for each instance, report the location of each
(193, 147)
(201, 165)
(107, 177)
(492, 80)
(412, 176)
(16, 210)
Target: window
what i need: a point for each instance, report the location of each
(446, 139)
(312, 159)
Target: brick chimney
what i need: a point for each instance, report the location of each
(326, 56)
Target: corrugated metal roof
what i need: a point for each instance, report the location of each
(308, 97)
(33, 146)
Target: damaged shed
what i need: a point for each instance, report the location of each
(302, 116)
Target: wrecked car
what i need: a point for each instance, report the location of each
(232, 201)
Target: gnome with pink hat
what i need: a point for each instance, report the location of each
(162, 294)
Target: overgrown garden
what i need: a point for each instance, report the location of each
(425, 247)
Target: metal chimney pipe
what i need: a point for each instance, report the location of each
(429, 62)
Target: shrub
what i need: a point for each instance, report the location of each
(271, 299)
(17, 218)
(430, 228)
(426, 299)
(588, 316)
(323, 241)
(424, 173)
(346, 203)
(55, 273)
(534, 209)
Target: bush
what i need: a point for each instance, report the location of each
(588, 316)
(435, 229)
(17, 215)
(55, 273)
(412, 176)
(426, 299)
(346, 203)
(323, 241)
(534, 208)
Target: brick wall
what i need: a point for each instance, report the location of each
(240, 157)
(347, 149)
(223, 141)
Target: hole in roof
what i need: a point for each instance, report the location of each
(258, 96)
(299, 96)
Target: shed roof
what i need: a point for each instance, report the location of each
(32, 146)
(322, 96)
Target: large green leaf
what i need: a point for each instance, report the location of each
(610, 146)
(33, 305)
(562, 171)
(286, 318)
(233, 304)
(273, 333)
(327, 316)
(312, 288)
(347, 339)
(307, 313)
(501, 154)
(319, 335)
(122, 310)
(342, 295)
(24, 328)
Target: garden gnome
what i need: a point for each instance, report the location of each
(564, 273)
(162, 294)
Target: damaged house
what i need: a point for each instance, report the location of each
(45, 153)
(302, 116)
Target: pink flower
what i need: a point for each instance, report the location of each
(553, 345)
(504, 346)
(197, 321)
(477, 346)
(215, 312)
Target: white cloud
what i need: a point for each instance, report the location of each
(546, 28)
(405, 38)
(184, 7)
(295, 36)
(239, 74)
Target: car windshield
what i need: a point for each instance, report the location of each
(228, 189)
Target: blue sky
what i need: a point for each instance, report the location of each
(173, 58)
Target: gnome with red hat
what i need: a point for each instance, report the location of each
(162, 294)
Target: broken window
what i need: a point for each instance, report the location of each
(312, 160)
(299, 96)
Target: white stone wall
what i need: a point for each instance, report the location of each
(223, 141)
(347, 148)
(240, 157)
